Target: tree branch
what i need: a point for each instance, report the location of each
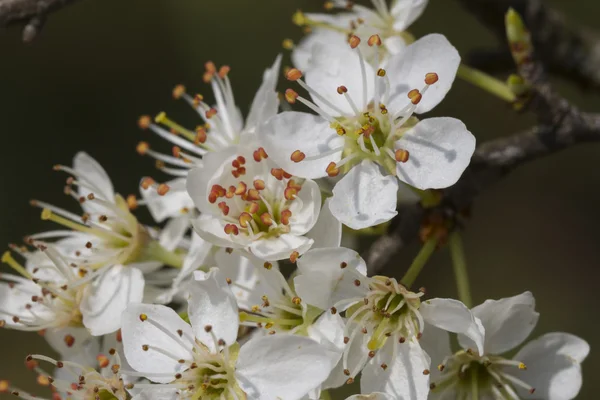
(559, 126)
(32, 13)
(572, 53)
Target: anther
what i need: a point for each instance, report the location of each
(296, 300)
(208, 328)
(333, 310)
(383, 366)
(343, 264)
(332, 170)
(381, 72)
(211, 113)
(371, 354)
(347, 372)
(342, 89)
(291, 96)
(143, 317)
(415, 96)
(178, 91)
(346, 339)
(293, 74)
(297, 156)
(69, 340)
(356, 282)
(267, 265)
(374, 40)
(354, 41)
(288, 44)
(426, 372)
(431, 78)
(144, 122)
(401, 155)
(294, 256)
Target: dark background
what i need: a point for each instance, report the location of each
(98, 65)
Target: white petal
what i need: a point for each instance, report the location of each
(327, 232)
(372, 396)
(243, 273)
(507, 322)
(290, 131)
(364, 197)
(136, 333)
(265, 102)
(198, 178)
(107, 297)
(172, 234)
(436, 343)
(440, 149)
(92, 174)
(303, 54)
(403, 378)
(553, 366)
(405, 12)
(279, 248)
(212, 303)
(83, 344)
(303, 219)
(335, 69)
(169, 205)
(211, 229)
(285, 367)
(323, 282)
(406, 71)
(157, 393)
(453, 316)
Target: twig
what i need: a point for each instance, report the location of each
(32, 13)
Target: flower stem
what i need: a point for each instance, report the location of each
(460, 268)
(325, 395)
(419, 262)
(156, 252)
(486, 82)
(474, 384)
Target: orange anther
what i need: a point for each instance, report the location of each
(401, 155)
(132, 202)
(381, 72)
(285, 216)
(260, 154)
(144, 122)
(297, 156)
(342, 89)
(223, 207)
(142, 148)
(253, 195)
(253, 208)
(224, 70)
(374, 40)
(211, 113)
(290, 193)
(69, 340)
(332, 170)
(294, 256)
(102, 360)
(266, 218)
(210, 67)
(415, 96)
(162, 189)
(293, 74)
(147, 182)
(178, 91)
(244, 219)
(354, 41)
(259, 184)
(231, 229)
(291, 96)
(241, 188)
(277, 173)
(200, 135)
(241, 160)
(292, 184)
(431, 78)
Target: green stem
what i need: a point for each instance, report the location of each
(155, 251)
(460, 268)
(419, 262)
(325, 395)
(486, 82)
(474, 384)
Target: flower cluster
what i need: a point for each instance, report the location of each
(244, 291)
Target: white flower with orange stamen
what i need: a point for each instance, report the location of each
(98, 380)
(330, 31)
(365, 128)
(249, 203)
(205, 361)
(546, 368)
(223, 127)
(383, 322)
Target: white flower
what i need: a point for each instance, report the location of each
(204, 361)
(546, 368)
(331, 31)
(100, 379)
(247, 202)
(383, 322)
(372, 396)
(366, 129)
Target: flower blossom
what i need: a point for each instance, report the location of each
(383, 322)
(248, 202)
(365, 129)
(546, 368)
(204, 360)
(332, 30)
(223, 127)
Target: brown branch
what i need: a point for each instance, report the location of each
(560, 125)
(32, 13)
(572, 53)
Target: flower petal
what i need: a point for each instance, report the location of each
(265, 102)
(198, 178)
(157, 393)
(285, 367)
(243, 273)
(372, 396)
(106, 298)
(279, 248)
(440, 149)
(407, 70)
(305, 218)
(403, 378)
(327, 232)
(172, 234)
(137, 332)
(96, 179)
(405, 12)
(290, 131)
(553, 366)
(303, 54)
(73, 342)
(328, 276)
(507, 322)
(212, 303)
(170, 204)
(211, 229)
(332, 69)
(453, 316)
(364, 197)
(436, 343)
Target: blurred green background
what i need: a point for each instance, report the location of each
(98, 65)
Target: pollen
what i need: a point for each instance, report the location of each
(354, 41)
(293, 74)
(291, 95)
(267, 265)
(381, 72)
(102, 360)
(163, 189)
(415, 96)
(401, 155)
(143, 317)
(144, 122)
(342, 89)
(374, 40)
(332, 170)
(431, 78)
(178, 91)
(297, 156)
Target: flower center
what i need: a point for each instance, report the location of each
(254, 201)
(467, 374)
